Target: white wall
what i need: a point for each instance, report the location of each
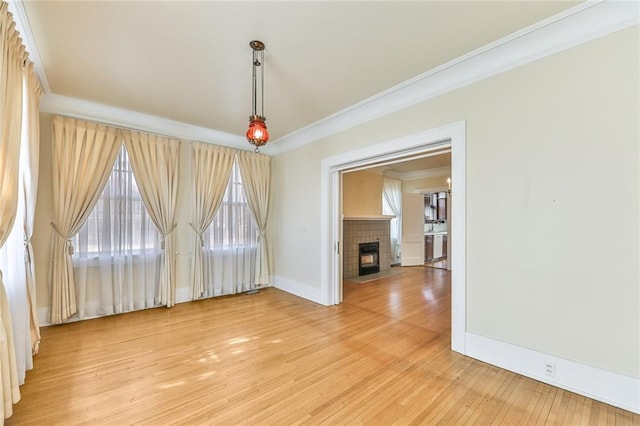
(552, 150)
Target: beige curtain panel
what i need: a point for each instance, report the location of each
(155, 161)
(83, 156)
(256, 178)
(210, 170)
(31, 130)
(12, 54)
(11, 119)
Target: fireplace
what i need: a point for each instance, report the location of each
(369, 258)
(359, 231)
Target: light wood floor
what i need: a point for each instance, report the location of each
(439, 263)
(382, 357)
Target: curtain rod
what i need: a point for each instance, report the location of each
(179, 139)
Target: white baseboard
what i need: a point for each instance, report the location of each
(606, 386)
(298, 289)
(183, 294)
(44, 317)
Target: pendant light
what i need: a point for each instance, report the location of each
(257, 133)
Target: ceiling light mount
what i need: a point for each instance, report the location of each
(257, 133)
(256, 45)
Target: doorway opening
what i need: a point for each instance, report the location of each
(388, 204)
(402, 149)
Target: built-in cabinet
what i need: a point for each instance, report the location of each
(435, 218)
(442, 206)
(444, 246)
(428, 247)
(435, 247)
(435, 206)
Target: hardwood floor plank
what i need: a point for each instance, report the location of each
(382, 357)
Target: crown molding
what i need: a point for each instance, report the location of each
(119, 117)
(575, 26)
(392, 174)
(583, 23)
(16, 7)
(417, 174)
(427, 173)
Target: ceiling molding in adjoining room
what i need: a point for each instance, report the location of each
(392, 174)
(417, 174)
(428, 173)
(583, 23)
(118, 117)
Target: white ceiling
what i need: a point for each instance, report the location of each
(191, 61)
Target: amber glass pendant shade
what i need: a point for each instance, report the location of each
(257, 134)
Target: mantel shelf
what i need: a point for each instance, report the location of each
(381, 217)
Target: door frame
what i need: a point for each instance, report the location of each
(400, 149)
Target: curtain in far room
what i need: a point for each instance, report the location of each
(392, 205)
(256, 177)
(155, 161)
(210, 170)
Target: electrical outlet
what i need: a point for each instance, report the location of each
(550, 369)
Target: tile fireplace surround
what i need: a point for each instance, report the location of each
(357, 231)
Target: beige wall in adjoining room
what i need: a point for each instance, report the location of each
(431, 184)
(362, 194)
(544, 142)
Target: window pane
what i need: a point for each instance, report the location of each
(119, 223)
(233, 225)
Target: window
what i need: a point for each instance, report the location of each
(119, 224)
(230, 243)
(233, 225)
(116, 261)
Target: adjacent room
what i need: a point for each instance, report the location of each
(319, 212)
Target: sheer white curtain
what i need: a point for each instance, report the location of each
(31, 159)
(116, 262)
(392, 204)
(16, 254)
(12, 56)
(12, 264)
(230, 243)
(256, 176)
(154, 161)
(83, 156)
(210, 169)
